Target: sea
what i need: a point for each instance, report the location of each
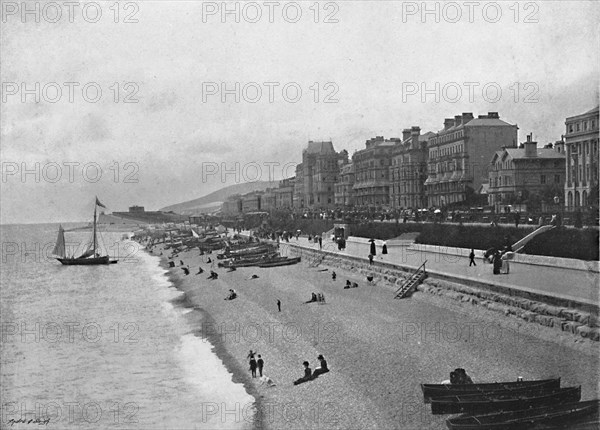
(89, 347)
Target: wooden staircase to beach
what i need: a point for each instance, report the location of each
(411, 283)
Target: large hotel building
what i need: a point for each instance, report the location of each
(460, 153)
(581, 148)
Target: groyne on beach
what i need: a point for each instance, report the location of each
(378, 349)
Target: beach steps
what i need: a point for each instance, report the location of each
(411, 283)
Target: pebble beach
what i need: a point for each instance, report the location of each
(379, 350)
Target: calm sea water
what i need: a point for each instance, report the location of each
(103, 346)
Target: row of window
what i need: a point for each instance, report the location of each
(508, 180)
(584, 125)
(449, 137)
(448, 150)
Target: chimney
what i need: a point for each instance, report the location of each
(530, 146)
(405, 134)
(457, 120)
(493, 115)
(448, 122)
(466, 117)
(415, 131)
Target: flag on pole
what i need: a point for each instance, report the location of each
(99, 204)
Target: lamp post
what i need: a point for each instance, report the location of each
(558, 210)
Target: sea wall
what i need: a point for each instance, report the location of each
(565, 315)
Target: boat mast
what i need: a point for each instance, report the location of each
(94, 230)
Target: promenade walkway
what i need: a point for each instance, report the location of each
(562, 283)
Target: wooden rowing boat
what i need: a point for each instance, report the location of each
(285, 262)
(488, 402)
(574, 415)
(431, 391)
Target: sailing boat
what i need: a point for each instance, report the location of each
(90, 256)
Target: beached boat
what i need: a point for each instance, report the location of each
(285, 262)
(90, 257)
(248, 261)
(488, 402)
(431, 391)
(576, 415)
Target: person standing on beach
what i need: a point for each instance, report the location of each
(279, 305)
(260, 364)
(320, 242)
(370, 259)
(472, 258)
(253, 367)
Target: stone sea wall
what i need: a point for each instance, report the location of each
(575, 321)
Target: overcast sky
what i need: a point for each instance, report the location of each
(172, 145)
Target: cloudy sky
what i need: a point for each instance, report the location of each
(139, 104)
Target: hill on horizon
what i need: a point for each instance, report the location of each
(213, 201)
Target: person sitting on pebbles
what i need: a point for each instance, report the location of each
(348, 284)
(213, 275)
(323, 367)
(312, 299)
(307, 374)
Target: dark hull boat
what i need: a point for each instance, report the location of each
(285, 262)
(577, 415)
(90, 257)
(86, 261)
(488, 402)
(431, 391)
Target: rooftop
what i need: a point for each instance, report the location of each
(319, 148)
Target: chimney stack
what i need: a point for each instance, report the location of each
(559, 146)
(530, 146)
(466, 117)
(493, 115)
(457, 120)
(405, 134)
(448, 122)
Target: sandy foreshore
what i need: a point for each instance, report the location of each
(378, 349)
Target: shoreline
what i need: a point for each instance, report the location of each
(197, 322)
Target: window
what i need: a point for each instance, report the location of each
(543, 179)
(578, 126)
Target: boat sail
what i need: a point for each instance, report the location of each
(90, 256)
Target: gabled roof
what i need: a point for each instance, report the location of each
(320, 148)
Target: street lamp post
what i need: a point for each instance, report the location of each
(558, 210)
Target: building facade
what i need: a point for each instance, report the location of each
(299, 187)
(251, 202)
(372, 172)
(516, 173)
(408, 170)
(344, 192)
(459, 155)
(581, 147)
(284, 195)
(320, 170)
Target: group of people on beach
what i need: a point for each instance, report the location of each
(309, 375)
(255, 364)
(350, 284)
(317, 297)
